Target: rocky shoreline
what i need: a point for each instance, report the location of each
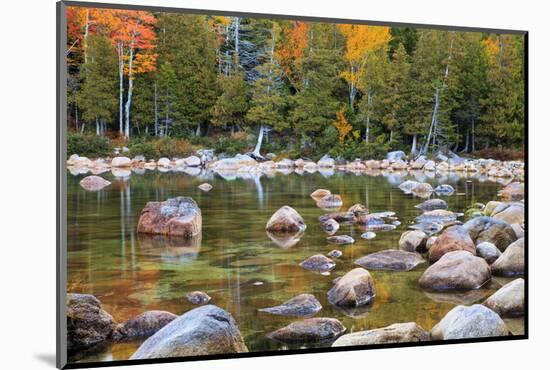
(243, 165)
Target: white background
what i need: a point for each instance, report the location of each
(27, 181)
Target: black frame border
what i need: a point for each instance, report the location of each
(61, 168)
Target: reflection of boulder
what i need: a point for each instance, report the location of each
(285, 240)
(459, 298)
(170, 248)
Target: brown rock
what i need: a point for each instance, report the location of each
(513, 191)
(456, 271)
(87, 323)
(356, 288)
(512, 261)
(198, 297)
(143, 325)
(286, 219)
(396, 333)
(321, 329)
(454, 238)
(320, 193)
(390, 259)
(176, 217)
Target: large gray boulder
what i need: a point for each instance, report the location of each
(301, 305)
(508, 301)
(475, 321)
(179, 216)
(143, 325)
(206, 330)
(490, 229)
(390, 259)
(87, 323)
(354, 289)
(396, 155)
(512, 261)
(396, 333)
(458, 270)
(317, 329)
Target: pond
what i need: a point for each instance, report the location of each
(235, 261)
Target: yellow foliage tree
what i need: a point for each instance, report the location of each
(361, 41)
(342, 125)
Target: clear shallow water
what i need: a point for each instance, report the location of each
(235, 262)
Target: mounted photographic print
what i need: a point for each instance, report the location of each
(235, 185)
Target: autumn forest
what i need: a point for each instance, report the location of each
(167, 84)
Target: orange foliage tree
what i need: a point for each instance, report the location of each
(361, 41)
(342, 125)
(290, 51)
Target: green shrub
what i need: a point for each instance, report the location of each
(143, 147)
(230, 145)
(88, 145)
(170, 147)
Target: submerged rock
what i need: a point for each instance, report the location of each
(432, 204)
(330, 201)
(396, 333)
(198, 297)
(143, 325)
(429, 228)
(286, 219)
(206, 330)
(318, 329)
(489, 229)
(338, 217)
(301, 305)
(390, 259)
(94, 183)
(444, 189)
(341, 239)
(369, 220)
(488, 251)
(368, 235)
(407, 186)
(178, 216)
(358, 209)
(356, 288)
(512, 260)
(508, 301)
(320, 193)
(412, 241)
(475, 321)
(458, 270)
(205, 187)
(330, 226)
(335, 253)
(454, 238)
(438, 215)
(318, 263)
(378, 227)
(87, 323)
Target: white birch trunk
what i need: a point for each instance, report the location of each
(156, 111)
(130, 90)
(413, 149)
(120, 88)
(256, 151)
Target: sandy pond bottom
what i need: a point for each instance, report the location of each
(236, 263)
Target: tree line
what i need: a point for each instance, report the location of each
(308, 86)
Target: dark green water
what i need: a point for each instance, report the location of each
(235, 262)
